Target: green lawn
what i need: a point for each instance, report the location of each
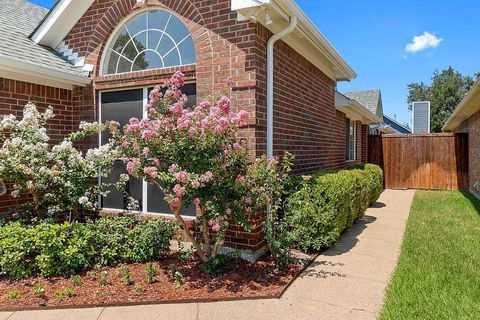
(438, 275)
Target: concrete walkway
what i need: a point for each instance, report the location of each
(346, 282)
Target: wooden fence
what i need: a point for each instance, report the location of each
(421, 161)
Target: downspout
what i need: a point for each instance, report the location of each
(270, 51)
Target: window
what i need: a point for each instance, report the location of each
(121, 106)
(351, 139)
(150, 40)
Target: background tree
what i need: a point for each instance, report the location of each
(446, 91)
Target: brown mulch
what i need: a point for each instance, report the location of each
(247, 280)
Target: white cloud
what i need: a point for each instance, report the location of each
(422, 42)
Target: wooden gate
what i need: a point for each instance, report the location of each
(421, 161)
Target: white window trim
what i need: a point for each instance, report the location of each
(121, 24)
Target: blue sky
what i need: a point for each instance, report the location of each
(372, 36)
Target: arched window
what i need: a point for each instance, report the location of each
(150, 40)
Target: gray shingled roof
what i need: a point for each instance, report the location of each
(18, 18)
(370, 99)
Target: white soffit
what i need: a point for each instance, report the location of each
(354, 110)
(59, 21)
(306, 40)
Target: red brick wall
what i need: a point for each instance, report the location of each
(306, 122)
(472, 127)
(223, 46)
(14, 95)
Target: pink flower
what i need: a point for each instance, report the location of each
(196, 184)
(248, 200)
(178, 79)
(133, 121)
(224, 104)
(146, 151)
(207, 176)
(228, 211)
(216, 227)
(240, 179)
(151, 172)
(196, 202)
(205, 105)
(133, 165)
(179, 190)
(156, 162)
(133, 128)
(229, 80)
(237, 146)
(175, 202)
(176, 109)
(173, 168)
(182, 176)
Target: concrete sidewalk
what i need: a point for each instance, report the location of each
(347, 281)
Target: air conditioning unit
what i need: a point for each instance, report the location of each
(421, 117)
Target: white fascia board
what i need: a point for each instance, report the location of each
(60, 21)
(247, 4)
(307, 41)
(344, 71)
(24, 71)
(354, 110)
(467, 108)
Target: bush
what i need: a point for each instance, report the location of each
(124, 240)
(323, 207)
(51, 249)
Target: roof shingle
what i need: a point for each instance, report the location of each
(18, 18)
(370, 99)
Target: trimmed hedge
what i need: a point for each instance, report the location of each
(323, 207)
(51, 249)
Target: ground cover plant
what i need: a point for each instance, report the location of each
(437, 276)
(50, 249)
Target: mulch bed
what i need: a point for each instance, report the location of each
(248, 280)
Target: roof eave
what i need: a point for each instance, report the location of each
(467, 107)
(61, 79)
(307, 34)
(354, 110)
(59, 21)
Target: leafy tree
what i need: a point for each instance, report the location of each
(446, 91)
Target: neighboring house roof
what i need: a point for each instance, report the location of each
(23, 59)
(355, 110)
(396, 125)
(467, 108)
(371, 99)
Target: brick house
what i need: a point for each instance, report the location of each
(466, 120)
(96, 60)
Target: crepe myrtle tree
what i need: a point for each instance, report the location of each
(56, 177)
(193, 156)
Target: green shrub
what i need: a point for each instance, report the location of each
(324, 206)
(151, 240)
(62, 248)
(124, 240)
(17, 251)
(51, 249)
